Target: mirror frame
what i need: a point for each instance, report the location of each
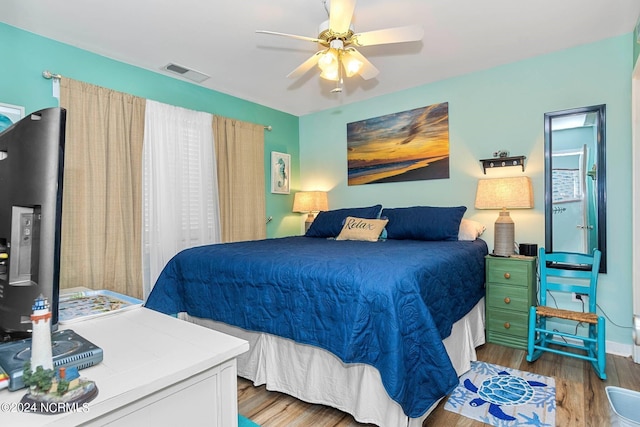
(600, 110)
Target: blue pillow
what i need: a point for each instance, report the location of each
(424, 222)
(329, 223)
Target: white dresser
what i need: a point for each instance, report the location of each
(157, 370)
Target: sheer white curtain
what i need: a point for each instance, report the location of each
(180, 189)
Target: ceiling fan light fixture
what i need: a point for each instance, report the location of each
(329, 63)
(330, 74)
(352, 66)
(328, 60)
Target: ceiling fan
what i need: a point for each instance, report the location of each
(338, 57)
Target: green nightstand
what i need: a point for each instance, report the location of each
(511, 290)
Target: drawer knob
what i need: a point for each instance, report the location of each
(507, 300)
(507, 275)
(507, 325)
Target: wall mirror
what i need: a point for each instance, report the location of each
(575, 181)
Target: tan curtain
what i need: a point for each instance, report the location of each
(101, 211)
(240, 158)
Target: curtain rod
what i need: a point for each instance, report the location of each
(49, 75)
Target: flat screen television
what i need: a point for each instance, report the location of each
(31, 177)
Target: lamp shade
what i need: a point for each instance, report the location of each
(310, 201)
(499, 193)
(504, 193)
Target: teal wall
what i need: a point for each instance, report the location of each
(26, 55)
(636, 45)
(501, 109)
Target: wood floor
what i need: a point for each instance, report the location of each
(580, 395)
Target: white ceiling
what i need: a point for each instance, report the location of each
(217, 37)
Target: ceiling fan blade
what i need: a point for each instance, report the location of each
(410, 33)
(368, 71)
(306, 65)
(340, 15)
(309, 39)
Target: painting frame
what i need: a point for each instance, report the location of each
(11, 112)
(406, 146)
(280, 173)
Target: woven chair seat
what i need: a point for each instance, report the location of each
(577, 316)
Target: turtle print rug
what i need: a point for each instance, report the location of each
(501, 396)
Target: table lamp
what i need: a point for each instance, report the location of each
(310, 202)
(504, 193)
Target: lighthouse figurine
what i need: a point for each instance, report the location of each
(49, 391)
(41, 335)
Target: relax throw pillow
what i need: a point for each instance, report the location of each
(362, 229)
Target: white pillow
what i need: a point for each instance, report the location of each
(470, 229)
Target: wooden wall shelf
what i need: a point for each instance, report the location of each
(499, 162)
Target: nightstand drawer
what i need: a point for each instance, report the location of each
(508, 297)
(506, 339)
(510, 291)
(504, 271)
(509, 323)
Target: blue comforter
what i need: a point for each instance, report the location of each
(388, 303)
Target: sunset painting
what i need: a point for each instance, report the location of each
(407, 146)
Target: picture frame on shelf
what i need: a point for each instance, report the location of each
(280, 172)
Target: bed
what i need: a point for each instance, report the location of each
(379, 327)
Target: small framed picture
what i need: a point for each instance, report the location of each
(9, 114)
(280, 172)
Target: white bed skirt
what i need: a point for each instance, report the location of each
(315, 375)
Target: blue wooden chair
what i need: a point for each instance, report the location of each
(568, 272)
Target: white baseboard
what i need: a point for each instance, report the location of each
(624, 350)
(615, 348)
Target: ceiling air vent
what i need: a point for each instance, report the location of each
(187, 73)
